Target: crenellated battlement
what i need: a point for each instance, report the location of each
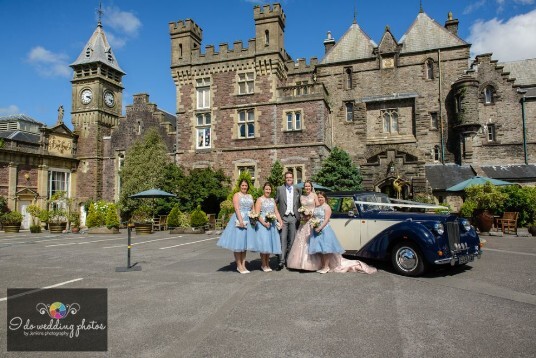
(187, 25)
(301, 66)
(268, 11)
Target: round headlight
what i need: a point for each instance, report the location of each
(466, 225)
(439, 228)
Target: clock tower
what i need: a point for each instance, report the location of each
(96, 107)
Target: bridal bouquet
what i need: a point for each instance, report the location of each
(270, 217)
(304, 210)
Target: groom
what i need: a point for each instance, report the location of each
(287, 200)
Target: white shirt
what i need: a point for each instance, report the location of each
(290, 201)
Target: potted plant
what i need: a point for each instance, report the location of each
(11, 221)
(142, 218)
(177, 221)
(35, 212)
(74, 218)
(57, 221)
(486, 200)
(198, 220)
(102, 218)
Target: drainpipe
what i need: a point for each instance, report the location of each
(440, 112)
(524, 126)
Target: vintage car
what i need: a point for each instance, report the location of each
(369, 225)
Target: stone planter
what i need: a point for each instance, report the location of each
(143, 228)
(12, 228)
(103, 230)
(483, 220)
(187, 230)
(56, 228)
(532, 230)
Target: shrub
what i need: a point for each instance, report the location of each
(177, 218)
(486, 197)
(35, 212)
(11, 218)
(112, 220)
(198, 217)
(226, 209)
(467, 208)
(522, 200)
(35, 229)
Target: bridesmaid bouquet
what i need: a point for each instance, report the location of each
(304, 210)
(315, 223)
(270, 217)
(253, 217)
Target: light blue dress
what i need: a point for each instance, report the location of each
(324, 242)
(235, 238)
(266, 240)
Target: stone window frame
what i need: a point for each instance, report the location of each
(349, 114)
(119, 164)
(434, 123)
(297, 125)
(297, 170)
(246, 123)
(239, 167)
(436, 153)
(202, 86)
(491, 133)
(67, 185)
(488, 94)
(245, 81)
(429, 70)
(203, 124)
(391, 111)
(348, 78)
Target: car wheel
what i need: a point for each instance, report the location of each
(407, 259)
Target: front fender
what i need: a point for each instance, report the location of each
(379, 247)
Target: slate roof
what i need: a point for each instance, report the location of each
(354, 44)
(20, 136)
(99, 51)
(523, 71)
(19, 117)
(443, 176)
(426, 34)
(511, 172)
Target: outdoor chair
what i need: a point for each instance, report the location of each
(160, 223)
(508, 222)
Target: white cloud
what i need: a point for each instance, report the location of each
(49, 64)
(474, 6)
(509, 41)
(11, 109)
(124, 25)
(524, 2)
(115, 42)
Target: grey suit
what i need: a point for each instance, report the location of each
(290, 222)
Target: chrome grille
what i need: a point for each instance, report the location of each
(453, 233)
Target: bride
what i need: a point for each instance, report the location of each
(299, 257)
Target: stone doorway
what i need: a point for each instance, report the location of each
(391, 186)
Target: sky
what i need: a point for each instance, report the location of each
(40, 38)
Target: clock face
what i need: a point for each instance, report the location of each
(86, 96)
(109, 99)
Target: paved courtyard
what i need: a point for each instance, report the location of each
(189, 302)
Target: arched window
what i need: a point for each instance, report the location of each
(390, 121)
(348, 78)
(488, 95)
(266, 38)
(429, 69)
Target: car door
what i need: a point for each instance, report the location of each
(346, 223)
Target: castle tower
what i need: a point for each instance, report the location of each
(96, 107)
(269, 29)
(185, 37)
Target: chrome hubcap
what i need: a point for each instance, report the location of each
(406, 258)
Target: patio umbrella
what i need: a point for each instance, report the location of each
(315, 186)
(152, 193)
(477, 180)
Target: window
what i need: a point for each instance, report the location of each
(294, 121)
(248, 168)
(348, 78)
(390, 121)
(266, 38)
(58, 181)
(430, 70)
(458, 103)
(297, 171)
(434, 121)
(488, 95)
(139, 127)
(245, 83)
(203, 93)
(246, 124)
(203, 130)
(491, 132)
(436, 153)
(349, 111)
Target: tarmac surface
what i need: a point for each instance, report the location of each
(188, 300)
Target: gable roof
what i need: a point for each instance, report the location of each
(426, 34)
(354, 44)
(97, 49)
(523, 71)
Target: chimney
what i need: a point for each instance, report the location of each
(329, 42)
(452, 24)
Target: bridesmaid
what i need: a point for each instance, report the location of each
(323, 240)
(266, 241)
(239, 229)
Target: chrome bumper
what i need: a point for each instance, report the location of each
(454, 259)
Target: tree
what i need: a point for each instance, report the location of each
(276, 177)
(205, 187)
(255, 192)
(339, 172)
(145, 168)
